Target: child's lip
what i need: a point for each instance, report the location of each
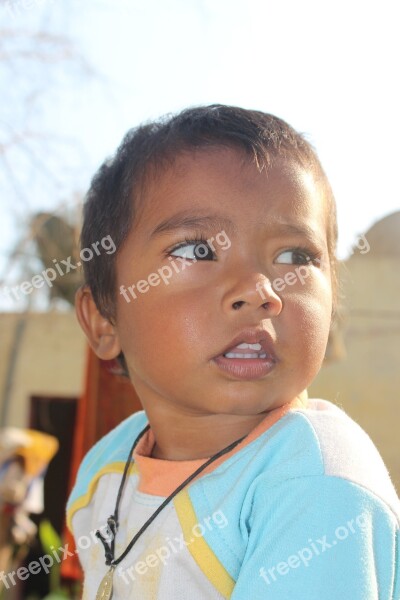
(246, 368)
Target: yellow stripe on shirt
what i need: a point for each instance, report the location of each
(208, 562)
(82, 501)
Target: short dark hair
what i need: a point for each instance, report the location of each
(111, 202)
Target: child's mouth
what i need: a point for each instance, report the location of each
(246, 361)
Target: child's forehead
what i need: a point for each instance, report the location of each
(206, 170)
(200, 176)
(209, 165)
(182, 166)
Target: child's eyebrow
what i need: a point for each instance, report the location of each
(217, 222)
(187, 220)
(278, 228)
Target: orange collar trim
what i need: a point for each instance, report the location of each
(161, 477)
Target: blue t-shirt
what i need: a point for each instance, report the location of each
(302, 509)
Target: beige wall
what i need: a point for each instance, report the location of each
(366, 383)
(50, 359)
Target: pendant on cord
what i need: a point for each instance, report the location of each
(105, 590)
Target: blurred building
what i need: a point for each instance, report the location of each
(41, 354)
(366, 381)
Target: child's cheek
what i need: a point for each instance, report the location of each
(309, 317)
(305, 282)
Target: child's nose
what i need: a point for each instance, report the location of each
(253, 292)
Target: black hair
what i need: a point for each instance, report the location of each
(112, 201)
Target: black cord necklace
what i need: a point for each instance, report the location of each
(105, 590)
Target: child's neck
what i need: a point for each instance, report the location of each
(187, 437)
(202, 442)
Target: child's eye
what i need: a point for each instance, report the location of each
(201, 251)
(297, 256)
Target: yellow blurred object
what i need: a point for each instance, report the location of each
(39, 451)
(34, 447)
(24, 457)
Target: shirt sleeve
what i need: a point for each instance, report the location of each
(319, 537)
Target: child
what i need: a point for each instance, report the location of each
(218, 301)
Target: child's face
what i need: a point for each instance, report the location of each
(171, 333)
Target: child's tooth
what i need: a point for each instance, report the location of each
(252, 346)
(237, 355)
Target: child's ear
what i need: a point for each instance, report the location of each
(101, 334)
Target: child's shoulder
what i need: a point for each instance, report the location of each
(345, 449)
(108, 453)
(115, 445)
(340, 448)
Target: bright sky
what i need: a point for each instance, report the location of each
(329, 68)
